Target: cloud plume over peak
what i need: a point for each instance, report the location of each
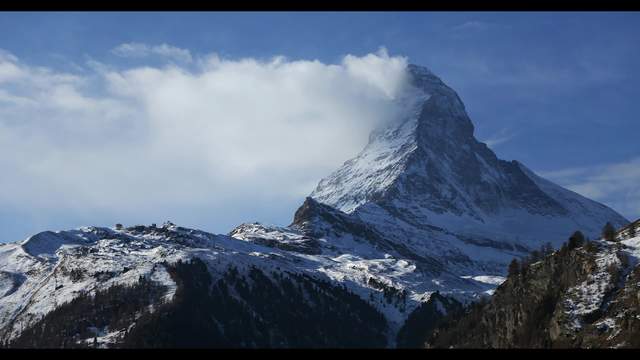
(208, 144)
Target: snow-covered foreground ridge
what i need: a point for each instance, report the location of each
(585, 295)
(424, 207)
(52, 268)
(590, 295)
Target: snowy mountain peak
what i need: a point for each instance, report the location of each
(428, 178)
(446, 113)
(430, 116)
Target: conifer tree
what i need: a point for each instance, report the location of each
(514, 267)
(632, 230)
(609, 232)
(576, 240)
(547, 249)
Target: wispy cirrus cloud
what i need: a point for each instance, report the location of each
(501, 137)
(615, 184)
(530, 75)
(476, 26)
(140, 50)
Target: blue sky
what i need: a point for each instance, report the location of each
(556, 91)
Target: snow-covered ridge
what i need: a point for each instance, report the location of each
(276, 236)
(590, 295)
(34, 280)
(585, 295)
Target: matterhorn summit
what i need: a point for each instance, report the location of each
(427, 182)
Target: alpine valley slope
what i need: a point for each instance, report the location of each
(424, 208)
(585, 295)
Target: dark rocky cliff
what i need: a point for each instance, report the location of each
(583, 297)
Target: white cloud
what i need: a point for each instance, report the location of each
(474, 25)
(501, 137)
(614, 184)
(472, 28)
(139, 50)
(379, 70)
(228, 141)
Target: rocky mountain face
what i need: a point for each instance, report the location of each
(426, 182)
(587, 297)
(423, 221)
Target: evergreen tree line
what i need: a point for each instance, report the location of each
(527, 300)
(576, 240)
(425, 318)
(113, 308)
(256, 310)
(238, 310)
